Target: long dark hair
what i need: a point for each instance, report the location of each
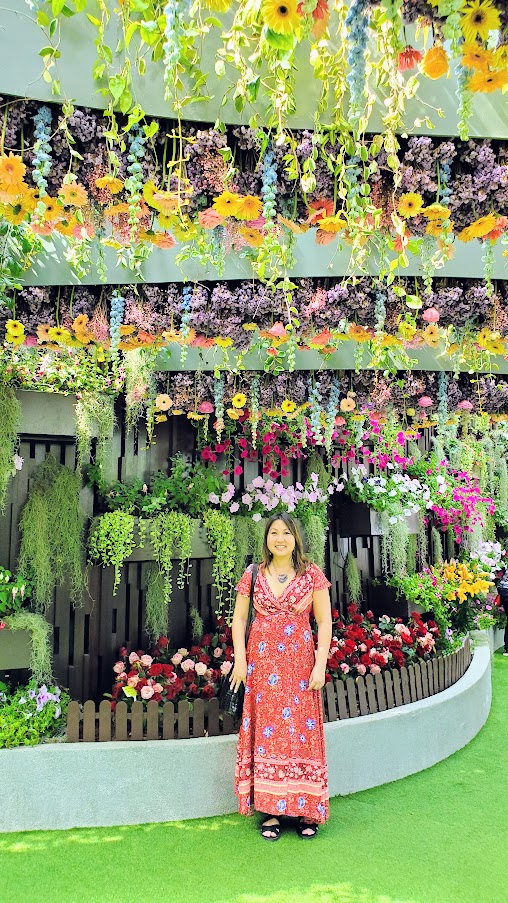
(300, 561)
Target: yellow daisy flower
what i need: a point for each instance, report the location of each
(487, 82)
(15, 328)
(224, 342)
(479, 228)
(282, 18)
(478, 19)
(249, 208)
(73, 195)
(12, 171)
(58, 334)
(475, 57)
(110, 183)
(253, 237)
(435, 212)
(239, 400)
(410, 204)
(232, 414)
(52, 210)
(288, 406)
(431, 335)
(227, 203)
(332, 223)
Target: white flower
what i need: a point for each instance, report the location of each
(17, 461)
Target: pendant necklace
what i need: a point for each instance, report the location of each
(282, 577)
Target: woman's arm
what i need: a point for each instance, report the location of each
(323, 615)
(238, 629)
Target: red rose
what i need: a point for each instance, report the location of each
(157, 697)
(123, 651)
(205, 659)
(328, 678)
(221, 622)
(195, 650)
(167, 670)
(142, 683)
(193, 689)
(206, 639)
(208, 692)
(365, 659)
(335, 614)
(188, 677)
(171, 693)
(156, 669)
(163, 642)
(357, 619)
(116, 691)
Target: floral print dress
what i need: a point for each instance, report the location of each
(281, 763)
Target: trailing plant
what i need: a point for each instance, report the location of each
(353, 579)
(156, 607)
(14, 593)
(244, 544)
(10, 420)
(411, 553)
(196, 624)
(257, 539)
(220, 533)
(171, 537)
(437, 546)
(95, 416)
(40, 642)
(315, 533)
(52, 534)
(32, 714)
(112, 541)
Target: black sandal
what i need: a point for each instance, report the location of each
(274, 829)
(306, 826)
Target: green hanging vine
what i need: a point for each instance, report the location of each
(10, 419)
(156, 607)
(52, 533)
(40, 642)
(112, 541)
(95, 415)
(220, 532)
(171, 537)
(353, 579)
(315, 533)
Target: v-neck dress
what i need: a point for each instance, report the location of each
(281, 762)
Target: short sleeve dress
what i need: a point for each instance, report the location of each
(281, 762)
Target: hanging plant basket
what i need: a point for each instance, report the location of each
(15, 649)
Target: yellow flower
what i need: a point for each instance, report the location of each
(163, 402)
(250, 327)
(435, 62)
(67, 227)
(475, 57)
(487, 82)
(282, 18)
(347, 404)
(73, 195)
(479, 17)
(52, 211)
(14, 213)
(165, 201)
(110, 183)
(224, 342)
(249, 207)
(435, 212)
(227, 203)
(407, 330)
(479, 228)
(332, 223)
(239, 400)
(218, 6)
(232, 414)
(431, 335)
(495, 346)
(253, 237)
(58, 334)
(14, 330)
(160, 418)
(288, 406)
(12, 170)
(184, 229)
(435, 228)
(410, 204)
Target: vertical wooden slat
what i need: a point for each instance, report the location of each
(390, 700)
(412, 682)
(341, 699)
(406, 692)
(213, 718)
(73, 722)
(440, 671)
(380, 692)
(371, 693)
(435, 676)
(104, 721)
(447, 673)
(362, 696)
(397, 688)
(89, 721)
(351, 698)
(331, 704)
(121, 721)
(198, 718)
(168, 721)
(183, 720)
(152, 720)
(425, 679)
(430, 677)
(136, 721)
(418, 680)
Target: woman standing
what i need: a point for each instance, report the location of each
(281, 764)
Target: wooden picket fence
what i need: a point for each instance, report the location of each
(341, 699)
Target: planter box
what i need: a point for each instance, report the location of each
(493, 637)
(200, 547)
(383, 600)
(357, 519)
(15, 649)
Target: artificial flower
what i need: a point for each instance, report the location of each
(109, 183)
(253, 237)
(486, 82)
(431, 315)
(163, 240)
(218, 6)
(332, 224)
(282, 18)
(435, 212)
(116, 210)
(431, 335)
(479, 228)
(410, 204)
(79, 323)
(479, 17)
(239, 400)
(14, 213)
(347, 405)
(435, 227)
(227, 203)
(73, 195)
(166, 202)
(249, 207)
(58, 334)
(163, 402)
(52, 210)
(12, 171)
(43, 332)
(408, 58)
(288, 406)
(209, 218)
(224, 341)
(322, 207)
(475, 57)
(14, 328)
(435, 62)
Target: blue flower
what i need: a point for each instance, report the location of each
(261, 750)
(296, 699)
(258, 696)
(310, 724)
(289, 629)
(246, 722)
(306, 635)
(268, 731)
(281, 647)
(272, 680)
(291, 730)
(320, 808)
(303, 684)
(250, 668)
(301, 802)
(281, 805)
(303, 738)
(286, 713)
(261, 647)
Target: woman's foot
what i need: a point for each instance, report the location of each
(307, 829)
(270, 828)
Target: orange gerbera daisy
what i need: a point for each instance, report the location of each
(73, 195)
(52, 210)
(163, 240)
(12, 171)
(110, 183)
(227, 203)
(475, 57)
(116, 210)
(487, 82)
(435, 62)
(249, 207)
(322, 207)
(253, 237)
(479, 228)
(431, 335)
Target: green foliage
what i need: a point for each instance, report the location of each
(315, 533)
(112, 541)
(420, 589)
(411, 552)
(353, 579)
(437, 546)
(220, 532)
(52, 529)
(10, 419)
(156, 607)
(257, 538)
(32, 715)
(171, 537)
(95, 415)
(244, 539)
(197, 627)
(40, 646)
(14, 593)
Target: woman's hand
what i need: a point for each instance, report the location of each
(317, 678)
(238, 675)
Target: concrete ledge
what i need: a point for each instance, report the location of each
(58, 786)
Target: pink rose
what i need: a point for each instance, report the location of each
(133, 657)
(225, 668)
(201, 668)
(118, 667)
(133, 681)
(217, 652)
(177, 658)
(361, 669)
(375, 669)
(158, 688)
(147, 692)
(345, 668)
(188, 665)
(146, 660)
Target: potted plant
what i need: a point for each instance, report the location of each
(14, 644)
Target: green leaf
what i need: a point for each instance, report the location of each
(53, 25)
(252, 88)
(130, 32)
(129, 691)
(125, 101)
(94, 20)
(278, 41)
(239, 103)
(80, 5)
(47, 51)
(56, 90)
(117, 86)
(57, 6)
(151, 130)
(42, 19)
(98, 70)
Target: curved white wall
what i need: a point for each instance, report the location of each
(89, 784)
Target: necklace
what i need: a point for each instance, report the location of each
(281, 577)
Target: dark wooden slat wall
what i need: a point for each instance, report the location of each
(86, 639)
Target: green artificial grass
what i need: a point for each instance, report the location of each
(440, 836)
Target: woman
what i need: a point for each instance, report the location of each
(281, 765)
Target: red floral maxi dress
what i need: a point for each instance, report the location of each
(281, 762)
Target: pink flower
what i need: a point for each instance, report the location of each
(188, 665)
(209, 218)
(345, 668)
(200, 668)
(374, 669)
(238, 470)
(225, 668)
(133, 657)
(133, 681)
(465, 405)
(425, 401)
(217, 652)
(177, 658)
(206, 407)
(146, 660)
(157, 688)
(361, 669)
(118, 667)
(408, 58)
(147, 692)
(278, 329)
(431, 315)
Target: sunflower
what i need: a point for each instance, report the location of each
(435, 212)
(52, 210)
(12, 170)
(253, 237)
(475, 57)
(487, 82)
(163, 402)
(73, 195)
(347, 405)
(282, 18)
(288, 406)
(67, 226)
(431, 335)
(15, 328)
(218, 6)
(109, 183)
(478, 19)
(249, 207)
(239, 400)
(479, 228)
(410, 204)
(227, 203)
(435, 62)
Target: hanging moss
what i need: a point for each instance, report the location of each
(156, 607)
(437, 546)
(40, 645)
(95, 415)
(112, 541)
(257, 529)
(315, 534)
(411, 553)
(422, 544)
(10, 419)
(171, 537)
(353, 579)
(244, 544)
(197, 626)
(52, 530)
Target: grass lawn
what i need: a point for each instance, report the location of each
(440, 836)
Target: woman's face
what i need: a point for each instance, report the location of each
(280, 540)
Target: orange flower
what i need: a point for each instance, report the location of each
(52, 211)
(319, 209)
(116, 210)
(498, 230)
(249, 207)
(332, 223)
(253, 237)
(110, 183)
(12, 171)
(475, 57)
(209, 218)
(359, 333)
(431, 335)
(73, 195)
(166, 202)
(487, 82)
(435, 62)
(347, 405)
(163, 240)
(295, 228)
(324, 238)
